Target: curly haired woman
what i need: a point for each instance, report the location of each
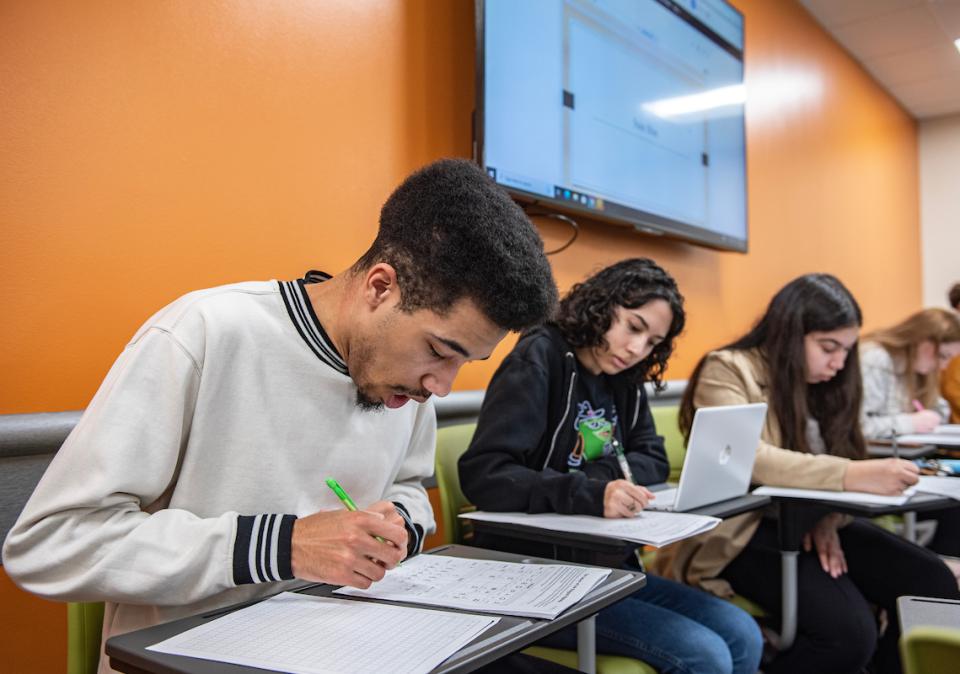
(545, 442)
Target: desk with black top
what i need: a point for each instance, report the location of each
(587, 549)
(880, 449)
(945, 445)
(590, 549)
(790, 511)
(127, 652)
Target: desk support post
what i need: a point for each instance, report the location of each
(587, 645)
(788, 593)
(910, 526)
(790, 536)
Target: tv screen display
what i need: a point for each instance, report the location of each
(629, 111)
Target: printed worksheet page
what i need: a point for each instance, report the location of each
(839, 496)
(942, 486)
(321, 635)
(647, 527)
(508, 588)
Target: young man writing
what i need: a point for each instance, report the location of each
(195, 478)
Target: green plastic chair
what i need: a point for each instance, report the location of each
(667, 420)
(930, 650)
(84, 626)
(452, 442)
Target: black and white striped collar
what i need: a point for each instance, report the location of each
(298, 305)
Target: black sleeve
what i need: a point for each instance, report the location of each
(501, 470)
(414, 531)
(643, 448)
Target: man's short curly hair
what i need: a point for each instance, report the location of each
(587, 311)
(451, 232)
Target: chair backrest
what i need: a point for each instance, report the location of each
(667, 420)
(84, 626)
(452, 442)
(930, 650)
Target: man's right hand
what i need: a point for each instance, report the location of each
(338, 547)
(880, 476)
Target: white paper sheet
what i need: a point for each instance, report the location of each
(943, 486)
(649, 528)
(943, 439)
(840, 496)
(319, 635)
(508, 588)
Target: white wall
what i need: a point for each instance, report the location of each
(939, 207)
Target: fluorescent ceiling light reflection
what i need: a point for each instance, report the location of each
(707, 100)
(777, 92)
(957, 43)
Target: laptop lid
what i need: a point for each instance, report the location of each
(720, 454)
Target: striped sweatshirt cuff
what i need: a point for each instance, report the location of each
(414, 530)
(261, 551)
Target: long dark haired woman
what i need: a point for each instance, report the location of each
(545, 442)
(801, 359)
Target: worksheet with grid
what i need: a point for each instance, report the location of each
(507, 588)
(303, 634)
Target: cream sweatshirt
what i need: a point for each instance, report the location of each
(216, 427)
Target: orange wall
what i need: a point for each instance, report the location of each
(148, 149)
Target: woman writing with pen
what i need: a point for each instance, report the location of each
(901, 367)
(801, 359)
(562, 403)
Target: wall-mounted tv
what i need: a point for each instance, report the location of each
(628, 111)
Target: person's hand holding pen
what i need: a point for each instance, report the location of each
(622, 498)
(924, 420)
(880, 476)
(348, 547)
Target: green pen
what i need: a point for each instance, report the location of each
(345, 498)
(341, 494)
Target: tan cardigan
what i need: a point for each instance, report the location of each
(733, 378)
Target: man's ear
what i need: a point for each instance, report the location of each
(380, 285)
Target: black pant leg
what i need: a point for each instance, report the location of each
(946, 540)
(885, 566)
(836, 628)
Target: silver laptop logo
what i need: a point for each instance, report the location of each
(725, 455)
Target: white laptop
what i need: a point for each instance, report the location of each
(719, 461)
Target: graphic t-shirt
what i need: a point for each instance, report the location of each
(595, 420)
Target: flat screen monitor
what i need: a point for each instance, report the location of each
(629, 111)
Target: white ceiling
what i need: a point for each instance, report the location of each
(907, 45)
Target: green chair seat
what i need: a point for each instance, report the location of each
(666, 419)
(930, 650)
(84, 627)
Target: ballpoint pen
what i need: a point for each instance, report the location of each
(622, 460)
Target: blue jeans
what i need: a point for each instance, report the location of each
(676, 629)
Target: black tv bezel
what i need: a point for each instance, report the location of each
(641, 221)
